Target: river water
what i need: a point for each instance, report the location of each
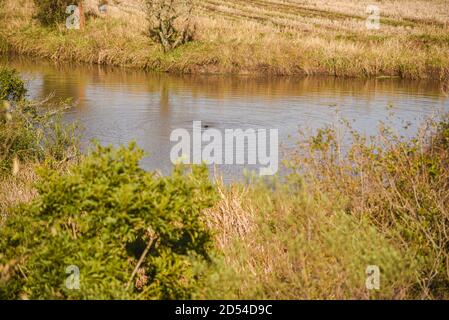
(117, 105)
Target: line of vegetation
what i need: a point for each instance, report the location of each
(138, 235)
(257, 37)
(31, 132)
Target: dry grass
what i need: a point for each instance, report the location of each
(17, 189)
(263, 36)
(283, 245)
(231, 216)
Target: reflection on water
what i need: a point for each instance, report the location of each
(116, 105)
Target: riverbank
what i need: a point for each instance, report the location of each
(326, 230)
(261, 37)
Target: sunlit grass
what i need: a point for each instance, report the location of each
(270, 37)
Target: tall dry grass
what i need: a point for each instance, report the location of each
(16, 189)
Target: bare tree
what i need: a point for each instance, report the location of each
(171, 22)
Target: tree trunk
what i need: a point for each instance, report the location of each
(82, 18)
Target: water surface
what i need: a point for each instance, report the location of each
(116, 105)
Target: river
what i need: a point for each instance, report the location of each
(117, 105)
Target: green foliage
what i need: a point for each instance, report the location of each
(101, 216)
(29, 132)
(11, 85)
(50, 12)
(442, 136)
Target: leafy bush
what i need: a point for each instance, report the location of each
(31, 131)
(104, 216)
(52, 11)
(11, 85)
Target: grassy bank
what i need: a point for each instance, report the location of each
(139, 235)
(256, 37)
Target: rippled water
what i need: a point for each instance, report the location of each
(118, 105)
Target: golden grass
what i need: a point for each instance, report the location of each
(292, 246)
(263, 36)
(231, 217)
(16, 189)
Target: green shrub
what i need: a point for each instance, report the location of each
(101, 216)
(30, 132)
(11, 85)
(50, 12)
